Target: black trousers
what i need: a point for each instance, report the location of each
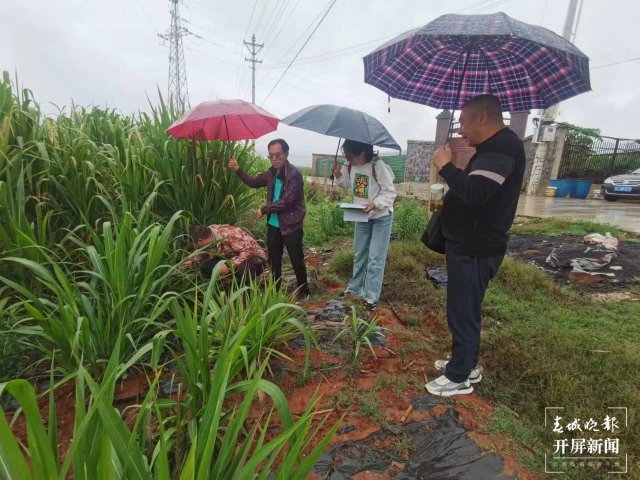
(275, 248)
(247, 270)
(250, 269)
(467, 284)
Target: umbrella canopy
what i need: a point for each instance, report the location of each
(457, 57)
(342, 122)
(226, 120)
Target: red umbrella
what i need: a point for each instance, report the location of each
(226, 120)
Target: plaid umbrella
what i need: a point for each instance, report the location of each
(457, 57)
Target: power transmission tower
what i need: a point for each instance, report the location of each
(253, 61)
(178, 90)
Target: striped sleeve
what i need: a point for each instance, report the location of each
(494, 166)
(488, 172)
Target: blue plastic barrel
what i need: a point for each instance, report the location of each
(563, 187)
(580, 189)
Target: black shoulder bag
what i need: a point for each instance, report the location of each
(432, 236)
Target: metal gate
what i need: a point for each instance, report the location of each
(592, 157)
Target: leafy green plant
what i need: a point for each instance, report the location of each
(260, 313)
(83, 311)
(323, 221)
(219, 446)
(409, 219)
(360, 332)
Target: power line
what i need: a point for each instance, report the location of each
(332, 54)
(616, 63)
(333, 2)
(273, 18)
(298, 40)
(200, 37)
(480, 6)
(284, 23)
(146, 16)
(211, 32)
(301, 36)
(250, 19)
(264, 8)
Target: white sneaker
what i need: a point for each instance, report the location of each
(474, 377)
(444, 387)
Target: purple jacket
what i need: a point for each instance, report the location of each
(290, 205)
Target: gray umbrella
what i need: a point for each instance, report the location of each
(342, 122)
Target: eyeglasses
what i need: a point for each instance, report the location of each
(276, 156)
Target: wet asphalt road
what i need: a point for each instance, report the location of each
(623, 213)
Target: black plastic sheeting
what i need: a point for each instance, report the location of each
(437, 276)
(334, 312)
(426, 402)
(439, 449)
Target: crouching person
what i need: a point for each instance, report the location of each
(243, 255)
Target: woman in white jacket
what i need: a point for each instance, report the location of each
(370, 181)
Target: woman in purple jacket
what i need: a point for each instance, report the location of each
(284, 211)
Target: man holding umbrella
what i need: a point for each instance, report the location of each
(477, 214)
(284, 210)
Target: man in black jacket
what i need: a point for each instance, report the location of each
(478, 211)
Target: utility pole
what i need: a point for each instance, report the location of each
(178, 90)
(549, 114)
(253, 61)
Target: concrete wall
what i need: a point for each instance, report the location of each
(419, 153)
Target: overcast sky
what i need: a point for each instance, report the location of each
(108, 53)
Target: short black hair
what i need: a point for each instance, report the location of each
(355, 148)
(487, 102)
(281, 142)
(198, 233)
(207, 266)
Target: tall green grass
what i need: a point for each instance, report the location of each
(209, 423)
(57, 174)
(117, 286)
(93, 207)
(261, 314)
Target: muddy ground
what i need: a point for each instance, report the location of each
(391, 428)
(535, 249)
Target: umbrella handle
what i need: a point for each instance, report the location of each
(464, 70)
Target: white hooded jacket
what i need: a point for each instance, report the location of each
(365, 188)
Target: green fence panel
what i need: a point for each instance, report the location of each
(397, 163)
